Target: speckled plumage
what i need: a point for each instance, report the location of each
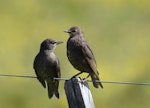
(80, 54)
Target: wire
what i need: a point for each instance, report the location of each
(23, 76)
(112, 82)
(103, 81)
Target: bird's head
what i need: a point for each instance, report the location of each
(74, 31)
(49, 44)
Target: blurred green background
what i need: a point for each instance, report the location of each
(118, 32)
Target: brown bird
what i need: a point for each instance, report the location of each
(81, 56)
(46, 66)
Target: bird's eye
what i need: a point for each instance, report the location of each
(52, 42)
(73, 31)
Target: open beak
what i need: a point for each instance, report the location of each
(67, 31)
(59, 42)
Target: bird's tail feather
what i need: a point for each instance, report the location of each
(95, 77)
(56, 84)
(52, 89)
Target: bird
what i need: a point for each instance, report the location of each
(81, 56)
(47, 66)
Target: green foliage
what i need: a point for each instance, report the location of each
(117, 31)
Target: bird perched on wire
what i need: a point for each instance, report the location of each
(81, 56)
(46, 66)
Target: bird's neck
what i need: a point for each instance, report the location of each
(77, 38)
(46, 52)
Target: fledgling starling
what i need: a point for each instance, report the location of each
(80, 55)
(46, 66)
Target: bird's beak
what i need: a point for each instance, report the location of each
(67, 31)
(59, 42)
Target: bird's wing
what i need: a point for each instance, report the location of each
(89, 57)
(36, 66)
(58, 69)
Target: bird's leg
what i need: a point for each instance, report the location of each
(84, 79)
(88, 76)
(77, 74)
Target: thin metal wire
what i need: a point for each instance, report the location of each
(119, 82)
(12, 75)
(103, 81)
(112, 82)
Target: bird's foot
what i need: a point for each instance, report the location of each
(82, 80)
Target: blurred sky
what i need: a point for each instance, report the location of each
(118, 32)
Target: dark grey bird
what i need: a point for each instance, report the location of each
(81, 56)
(46, 66)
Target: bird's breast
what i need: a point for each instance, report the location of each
(75, 56)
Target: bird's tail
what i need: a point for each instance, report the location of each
(95, 77)
(56, 84)
(53, 89)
